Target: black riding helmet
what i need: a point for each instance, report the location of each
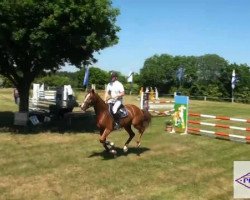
(114, 76)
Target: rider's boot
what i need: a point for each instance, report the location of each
(116, 121)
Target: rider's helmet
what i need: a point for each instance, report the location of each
(114, 76)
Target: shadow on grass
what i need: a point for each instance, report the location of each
(81, 124)
(107, 156)
(6, 121)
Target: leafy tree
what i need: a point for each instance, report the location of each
(4, 82)
(96, 76)
(71, 75)
(55, 80)
(210, 67)
(242, 86)
(42, 35)
(158, 71)
(163, 71)
(1, 81)
(136, 78)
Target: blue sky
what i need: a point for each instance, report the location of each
(178, 27)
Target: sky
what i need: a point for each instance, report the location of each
(177, 28)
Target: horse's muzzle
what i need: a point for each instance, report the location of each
(83, 108)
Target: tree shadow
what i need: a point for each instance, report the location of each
(107, 156)
(80, 124)
(6, 121)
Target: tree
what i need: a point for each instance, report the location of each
(96, 76)
(4, 82)
(242, 85)
(55, 80)
(210, 67)
(158, 71)
(42, 35)
(71, 75)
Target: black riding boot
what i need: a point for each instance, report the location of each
(116, 121)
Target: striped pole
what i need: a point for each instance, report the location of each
(161, 101)
(221, 135)
(162, 113)
(219, 125)
(220, 117)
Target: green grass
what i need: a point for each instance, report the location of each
(51, 165)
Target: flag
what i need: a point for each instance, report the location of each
(86, 77)
(130, 77)
(233, 81)
(180, 73)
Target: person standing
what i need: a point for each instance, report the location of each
(16, 96)
(114, 97)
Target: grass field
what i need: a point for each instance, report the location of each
(72, 165)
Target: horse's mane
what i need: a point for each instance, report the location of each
(98, 98)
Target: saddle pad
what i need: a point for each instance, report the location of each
(123, 112)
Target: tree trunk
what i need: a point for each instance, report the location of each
(23, 90)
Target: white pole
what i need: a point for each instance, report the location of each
(142, 99)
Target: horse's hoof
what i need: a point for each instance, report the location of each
(125, 149)
(112, 151)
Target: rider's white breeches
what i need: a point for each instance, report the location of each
(116, 106)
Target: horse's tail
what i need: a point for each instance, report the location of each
(147, 118)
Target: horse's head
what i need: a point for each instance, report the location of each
(90, 100)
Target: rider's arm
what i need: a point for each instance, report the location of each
(121, 94)
(106, 96)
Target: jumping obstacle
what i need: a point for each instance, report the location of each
(153, 93)
(43, 99)
(184, 126)
(156, 107)
(217, 134)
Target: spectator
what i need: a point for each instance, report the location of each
(16, 96)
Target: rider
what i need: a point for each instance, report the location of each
(114, 95)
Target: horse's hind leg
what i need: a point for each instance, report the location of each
(141, 130)
(131, 136)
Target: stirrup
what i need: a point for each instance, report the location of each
(116, 126)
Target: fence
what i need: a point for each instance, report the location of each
(156, 107)
(239, 133)
(43, 100)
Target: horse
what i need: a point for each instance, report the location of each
(139, 118)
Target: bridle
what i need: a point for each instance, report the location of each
(88, 102)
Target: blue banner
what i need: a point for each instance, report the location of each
(86, 77)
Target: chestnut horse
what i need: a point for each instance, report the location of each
(137, 117)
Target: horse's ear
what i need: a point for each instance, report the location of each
(92, 91)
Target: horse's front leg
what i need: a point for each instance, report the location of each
(109, 146)
(105, 143)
